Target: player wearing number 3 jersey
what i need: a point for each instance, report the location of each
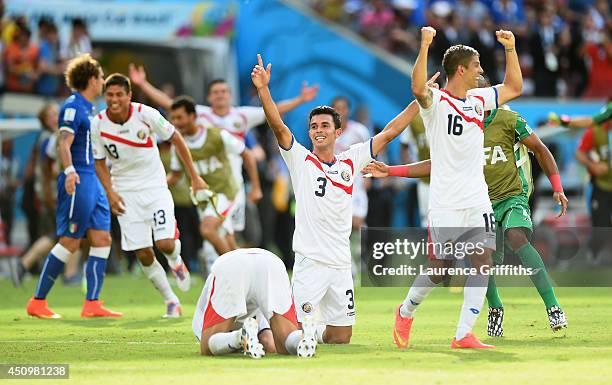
(126, 134)
(323, 185)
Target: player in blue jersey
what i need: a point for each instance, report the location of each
(82, 207)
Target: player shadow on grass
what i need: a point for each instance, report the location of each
(490, 355)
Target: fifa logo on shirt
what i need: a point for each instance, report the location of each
(493, 155)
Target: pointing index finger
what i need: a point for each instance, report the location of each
(259, 61)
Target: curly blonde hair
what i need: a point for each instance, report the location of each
(80, 70)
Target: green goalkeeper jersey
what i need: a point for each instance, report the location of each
(507, 166)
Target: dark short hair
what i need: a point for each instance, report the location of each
(212, 83)
(455, 56)
(341, 98)
(326, 110)
(185, 102)
(80, 70)
(118, 79)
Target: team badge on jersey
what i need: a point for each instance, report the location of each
(307, 307)
(141, 134)
(478, 109)
(346, 176)
(236, 125)
(73, 228)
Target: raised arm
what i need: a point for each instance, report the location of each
(307, 94)
(549, 165)
(512, 86)
(138, 76)
(261, 79)
(400, 122)
(420, 90)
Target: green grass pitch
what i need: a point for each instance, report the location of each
(142, 348)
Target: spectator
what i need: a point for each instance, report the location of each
(471, 11)
(600, 74)
(9, 182)
(377, 20)
(79, 41)
(507, 13)
(49, 62)
(543, 51)
(21, 58)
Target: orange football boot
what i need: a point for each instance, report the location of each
(401, 331)
(39, 308)
(95, 309)
(469, 342)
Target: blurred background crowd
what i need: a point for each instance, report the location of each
(565, 48)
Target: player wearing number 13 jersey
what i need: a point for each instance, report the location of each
(323, 186)
(125, 134)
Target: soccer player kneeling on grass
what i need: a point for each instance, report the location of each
(242, 284)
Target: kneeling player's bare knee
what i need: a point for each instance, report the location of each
(338, 337)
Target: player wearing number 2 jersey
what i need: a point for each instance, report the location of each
(323, 185)
(459, 202)
(125, 134)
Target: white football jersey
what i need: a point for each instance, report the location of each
(354, 133)
(237, 122)
(323, 194)
(131, 147)
(455, 132)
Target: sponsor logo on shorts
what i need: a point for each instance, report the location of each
(307, 307)
(350, 313)
(346, 176)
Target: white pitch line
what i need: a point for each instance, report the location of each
(102, 342)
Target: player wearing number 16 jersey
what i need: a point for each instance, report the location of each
(126, 134)
(323, 186)
(459, 206)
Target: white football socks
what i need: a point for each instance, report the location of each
(292, 341)
(473, 299)
(174, 258)
(155, 272)
(420, 288)
(225, 343)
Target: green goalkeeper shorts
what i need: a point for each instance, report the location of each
(510, 213)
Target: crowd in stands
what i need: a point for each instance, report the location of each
(33, 63)
(565, 46)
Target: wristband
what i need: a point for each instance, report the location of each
(402, 171)
(555, 181)
(69, 170)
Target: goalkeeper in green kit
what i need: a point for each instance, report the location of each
(507, 140)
